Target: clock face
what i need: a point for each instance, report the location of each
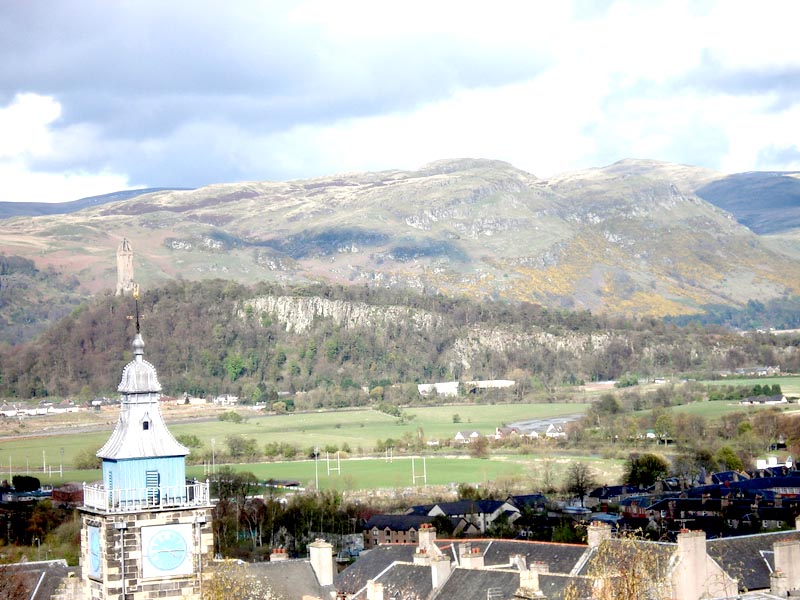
(167, 550)
(95, 563)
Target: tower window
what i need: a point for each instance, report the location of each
(145, 425)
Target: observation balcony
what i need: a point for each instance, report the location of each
(124, 500)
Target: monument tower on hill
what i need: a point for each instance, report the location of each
(124, 268)
(145, 531)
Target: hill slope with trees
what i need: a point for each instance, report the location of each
(216, 336)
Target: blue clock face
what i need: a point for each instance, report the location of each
(94, 551)
(167, 550)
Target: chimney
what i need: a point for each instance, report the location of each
(471, 557)
(787, 561)
(374, 590)
(528, 578)
(321, 555)
(440, 570)
(421, 557)
(597, 533)
(426, 536)
(778, 585)
(278, 554)
(691, 573)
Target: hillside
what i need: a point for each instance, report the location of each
(632, 238)
(215, 337)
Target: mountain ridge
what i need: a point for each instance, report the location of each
(630, 238)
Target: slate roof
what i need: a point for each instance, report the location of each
(371, 563)
(402, 580)
(397, 522)
(658, 553)
(289, 579)
(560, 558)
(39, 579)
(555, 586)
(529, 500)
(748, 558)
(420, 509)
(469, 507)
(473, 584)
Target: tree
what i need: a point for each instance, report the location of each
(625, 569)
(229, 579)
(189, 440)
(644, 470)
(727, 459)
(479, 447)
(580, 480)
(87, 459)
(241, 447)
(25, 483)
(13, 583)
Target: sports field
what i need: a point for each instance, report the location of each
(360, 429)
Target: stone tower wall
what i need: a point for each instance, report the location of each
(116, 541)
(124, 268)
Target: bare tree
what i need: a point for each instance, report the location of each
(13, 583)
(580, 480)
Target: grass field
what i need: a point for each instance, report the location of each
(526, 471)
(358, 428)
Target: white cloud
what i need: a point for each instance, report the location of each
(26, 125)
(316, 87)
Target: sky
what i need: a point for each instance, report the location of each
(99, 96)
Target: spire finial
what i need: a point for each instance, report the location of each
(136, 300)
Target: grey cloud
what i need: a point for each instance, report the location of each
(145, 71)
(711, 75)
(778, 155)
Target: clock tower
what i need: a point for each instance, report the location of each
(145, 531)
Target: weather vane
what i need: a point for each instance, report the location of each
(136, 315)
(136, 300)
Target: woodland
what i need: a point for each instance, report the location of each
(204, 344)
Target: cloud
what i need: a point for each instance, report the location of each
(189, 93)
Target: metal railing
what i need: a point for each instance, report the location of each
(135, 499)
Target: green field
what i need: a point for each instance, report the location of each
(521, 471)
(360, 429)
(715, 410)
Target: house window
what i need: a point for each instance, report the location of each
(145, 425)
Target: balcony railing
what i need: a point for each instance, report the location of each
(135, 499)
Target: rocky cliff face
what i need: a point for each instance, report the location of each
(297, 314)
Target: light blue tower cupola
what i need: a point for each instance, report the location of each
(143, 464)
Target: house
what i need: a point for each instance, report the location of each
(467, 569)
(304, 579)
(226, 400)
(502, 433)
(555, 432)
(403, 529)
(9, 411)
(480, 513)
(465, 437)
(488, 384)
(446, 388)
(765, 400)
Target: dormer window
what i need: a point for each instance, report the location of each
(145, 425)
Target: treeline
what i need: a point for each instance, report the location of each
(635, 419)
(201, 344)
(26, 298)
(778, 313)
